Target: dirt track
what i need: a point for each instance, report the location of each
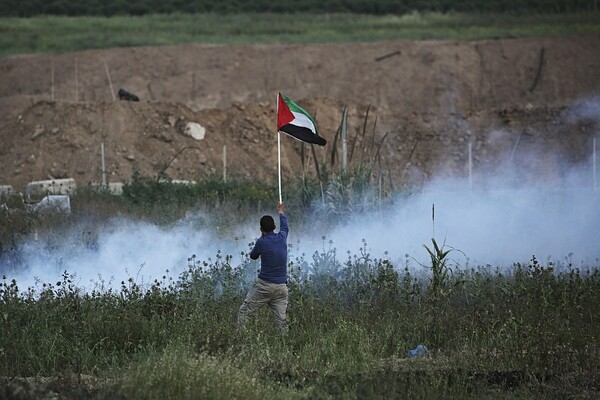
(433, 98)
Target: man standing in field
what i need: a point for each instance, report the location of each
(271, 286)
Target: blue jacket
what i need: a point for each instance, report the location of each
(272, 249)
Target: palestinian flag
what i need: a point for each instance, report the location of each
(296, 122)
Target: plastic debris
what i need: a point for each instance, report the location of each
(419, 351)
(54, 203)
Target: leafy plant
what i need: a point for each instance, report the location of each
(440, 271)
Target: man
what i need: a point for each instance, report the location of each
(271, 286)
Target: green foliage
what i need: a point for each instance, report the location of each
(440, 271)
(211, 191)
(354, 191)
(58, 34)
(15, 222)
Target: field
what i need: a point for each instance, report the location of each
(136, 295)
(51, 34)
(508, 331)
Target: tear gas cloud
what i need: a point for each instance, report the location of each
(501, 225)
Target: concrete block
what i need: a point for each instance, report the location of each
(53, 186)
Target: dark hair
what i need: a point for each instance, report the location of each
(267, 224)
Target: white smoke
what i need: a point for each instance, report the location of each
(497, 227)
(585, 109)
(119, 250)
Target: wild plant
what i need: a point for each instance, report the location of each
(440, 270)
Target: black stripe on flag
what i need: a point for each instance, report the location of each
(303, 134)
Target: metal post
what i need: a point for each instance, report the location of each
(344, 142)
(52, 79)
(224, 163)
(470, 165)
(594, 164)
(103, 164)
(433, 220)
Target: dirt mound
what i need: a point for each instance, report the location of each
(55, 140)
(432, 98)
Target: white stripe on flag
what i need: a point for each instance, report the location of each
(303, 121)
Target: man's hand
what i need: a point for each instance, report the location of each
(281, 208)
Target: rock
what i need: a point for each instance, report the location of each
(202, 159)
(58, 173)
(55, 130)
(31, 158)
(162, 136)
(39, 129)
(130, 157)
(195, 130)
(171, 120)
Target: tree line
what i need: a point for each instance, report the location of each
(29, 8)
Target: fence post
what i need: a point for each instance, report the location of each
(52, 79)
(344, 141)
(103, 164)
(594, 164)
(224, 163)
(112, 92)
(470, 165)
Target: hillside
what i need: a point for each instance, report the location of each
(432, 97)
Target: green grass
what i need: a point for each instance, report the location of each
(529, 332)
(180, 372)
(65, 34)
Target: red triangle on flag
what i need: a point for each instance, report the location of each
(284, 115)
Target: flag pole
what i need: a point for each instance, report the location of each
(279, 162)
(278, 150)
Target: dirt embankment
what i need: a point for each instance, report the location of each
(503, 96)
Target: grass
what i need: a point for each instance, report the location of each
(521, 331)
(49, 34)
(180, 372)
(528, 332)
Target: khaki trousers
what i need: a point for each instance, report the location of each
(263, 292)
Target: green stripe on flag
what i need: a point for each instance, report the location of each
(296, 108)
